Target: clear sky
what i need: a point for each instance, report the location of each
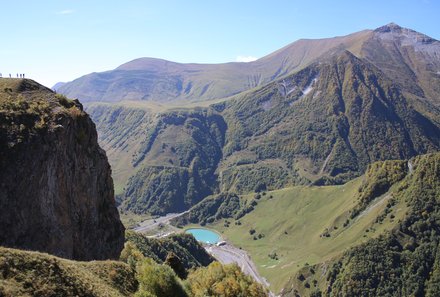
(60, 40)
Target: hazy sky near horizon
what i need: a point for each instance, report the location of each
(60, 40)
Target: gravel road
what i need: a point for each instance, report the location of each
(154, 223)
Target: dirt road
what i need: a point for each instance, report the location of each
(154, 223)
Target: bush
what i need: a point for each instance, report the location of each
(131, 254)
(223, 280)
(158, 280)
(67, 103)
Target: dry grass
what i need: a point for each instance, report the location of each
(24, 273)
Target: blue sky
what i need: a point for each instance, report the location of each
(60, 40)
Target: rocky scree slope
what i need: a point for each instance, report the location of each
(56, 189)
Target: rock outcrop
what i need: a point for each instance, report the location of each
(56, 190)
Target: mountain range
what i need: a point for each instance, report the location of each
(406, 56)
(319, 113)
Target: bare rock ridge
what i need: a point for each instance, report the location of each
(56, 190)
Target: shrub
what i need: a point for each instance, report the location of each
(67, 103)
(157, 280)
(223, 280)
(131, 254)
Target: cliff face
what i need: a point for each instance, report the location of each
(56, 190)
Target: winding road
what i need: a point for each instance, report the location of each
(150, 224)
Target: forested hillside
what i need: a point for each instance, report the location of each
(402, 262)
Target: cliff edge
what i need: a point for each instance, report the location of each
(56, 190)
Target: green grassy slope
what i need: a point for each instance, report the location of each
(403, 262)
(294, 224)
(329, 239)
(121, 131)
(25, 273)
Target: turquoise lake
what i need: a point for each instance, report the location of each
(204, 235)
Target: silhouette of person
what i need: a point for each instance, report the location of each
(9, 75)
(23, 75)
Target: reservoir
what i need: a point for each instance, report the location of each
(204, 235)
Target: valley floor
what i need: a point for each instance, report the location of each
(225, 254)
(293, 228)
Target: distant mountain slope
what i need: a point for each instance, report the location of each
(56, 189)
(322, 125)
(326, 122)
(58, 85)
(164, 81)
(408, 57)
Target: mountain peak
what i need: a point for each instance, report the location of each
(404, 36)
(391, 27)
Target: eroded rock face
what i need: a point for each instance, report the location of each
(56, 190)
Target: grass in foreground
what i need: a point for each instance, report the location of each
(24, 273)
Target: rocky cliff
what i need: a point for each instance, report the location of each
(56, 190)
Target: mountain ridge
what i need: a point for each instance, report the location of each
(160, 80)
(323, 124)
(157, 80)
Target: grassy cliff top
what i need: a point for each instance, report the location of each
(27, 108)
(24, 273)
(26, 95)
